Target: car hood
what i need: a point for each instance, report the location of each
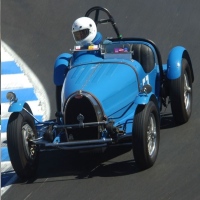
(113, 84)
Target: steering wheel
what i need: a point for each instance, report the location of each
(110, 19)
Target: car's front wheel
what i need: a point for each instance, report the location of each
(181, 94)
(23, 155)
(146, 135)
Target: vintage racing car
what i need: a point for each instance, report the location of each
(107, 94)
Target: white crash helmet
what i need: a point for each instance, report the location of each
(84, 31)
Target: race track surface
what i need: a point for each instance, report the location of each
(38, 31)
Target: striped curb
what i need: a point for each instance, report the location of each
(18, 78)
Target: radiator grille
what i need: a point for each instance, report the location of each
(82, 106)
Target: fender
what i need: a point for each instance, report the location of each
(143, 99)
(174, 62)
(61, 67)
(16, 106)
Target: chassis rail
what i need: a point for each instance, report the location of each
(80, 125)
(76, 145)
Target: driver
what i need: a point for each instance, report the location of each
(85, 33)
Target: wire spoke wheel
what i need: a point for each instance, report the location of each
(187, 93)
(181, 94)
(151, 134)
(23, 154)
(146, 135)
(28, 135)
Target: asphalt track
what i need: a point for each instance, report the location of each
(38, 31)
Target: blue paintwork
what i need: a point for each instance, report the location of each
(96, 79)
(114, 82)
(174, 62)
(143, 99)
(60, 68)
(86, 57)
(16, 106)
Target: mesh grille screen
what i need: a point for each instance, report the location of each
(81, 106)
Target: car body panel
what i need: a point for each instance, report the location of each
(96, 79)
(16, 106)
(61, 67)
(174, 62)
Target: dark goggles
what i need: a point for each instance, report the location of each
(80, 35)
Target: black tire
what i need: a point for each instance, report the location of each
(181, 94)
(24, 156)
(146, 135)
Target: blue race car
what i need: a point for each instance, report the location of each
(108, 94)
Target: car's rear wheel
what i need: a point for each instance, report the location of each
(181, 94)
(146, 135)
(24, 156)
